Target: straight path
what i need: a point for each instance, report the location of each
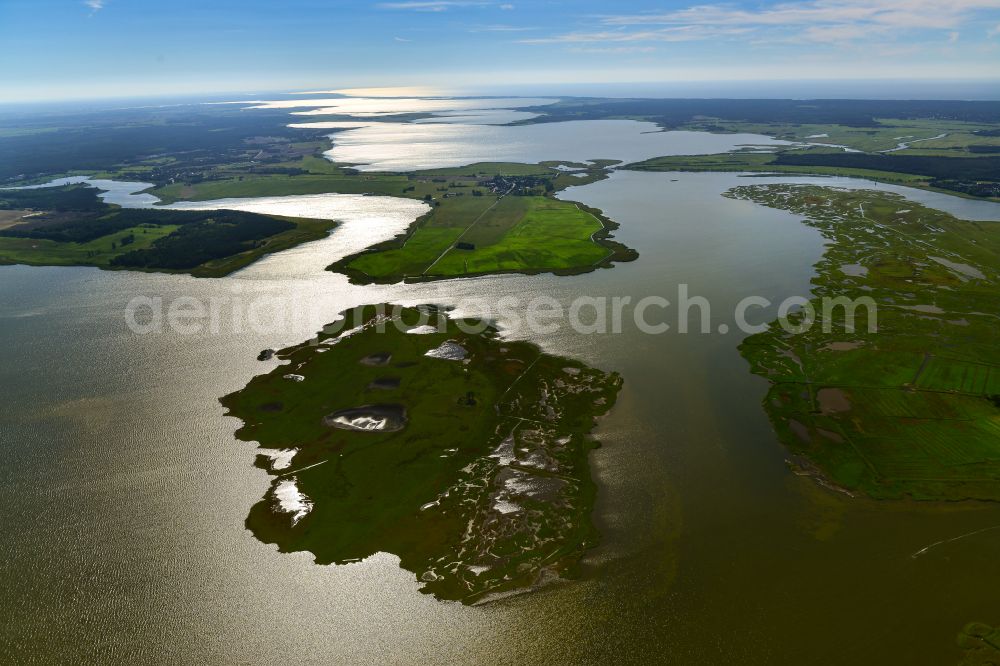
(481, 215)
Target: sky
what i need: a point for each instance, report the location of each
(76, 49)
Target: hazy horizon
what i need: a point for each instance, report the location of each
(971, 90)
(189, 48)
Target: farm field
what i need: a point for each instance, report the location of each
(477, 236)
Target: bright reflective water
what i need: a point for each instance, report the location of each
(411, 146)
(383, 106)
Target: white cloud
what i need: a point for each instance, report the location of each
(614, 49)
(994, 32)
(819, 21)
(502, 28)
(896, 13)
(507, 7)
(94, 4)
(837, 34)
(402, 39)
(686, 33)
(430, 5)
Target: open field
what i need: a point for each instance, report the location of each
(98, 252)
(469, 463)
(487, 235)
(913, 408)
(10, 218)
(316, 175)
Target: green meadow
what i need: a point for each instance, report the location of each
(485, 235)
(902, 401)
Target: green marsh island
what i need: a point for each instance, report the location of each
(488, 225)
(463, 454)
(908, 407)
(981, 644)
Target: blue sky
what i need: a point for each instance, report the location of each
(55, 49)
